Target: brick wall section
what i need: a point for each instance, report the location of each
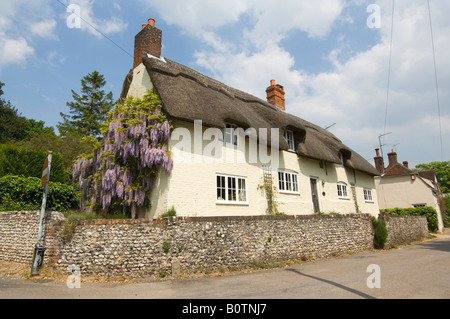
(144, 247)
(405, 229)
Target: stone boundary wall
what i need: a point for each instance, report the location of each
(405, 229)
(125, 248)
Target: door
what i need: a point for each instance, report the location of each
(314, 194)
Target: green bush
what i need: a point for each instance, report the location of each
(427, 211)
(20, 161)
(170, 212)
(381, 234)
(25, 193)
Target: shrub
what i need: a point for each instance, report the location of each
(381, 234)
(427, 211)
(25, 193)
(21, 161)
(170, 212)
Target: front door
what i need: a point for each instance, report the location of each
(314, 194)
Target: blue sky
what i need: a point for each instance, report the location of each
(334, 68)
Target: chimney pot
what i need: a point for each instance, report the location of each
(272, 82)
(151, 22)
(143, 26)
(377, 150)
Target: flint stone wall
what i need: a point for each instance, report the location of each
(143, 247)
(405, 229)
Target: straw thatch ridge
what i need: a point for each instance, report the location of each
(189, 95)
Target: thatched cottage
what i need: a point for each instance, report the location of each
(277, 161)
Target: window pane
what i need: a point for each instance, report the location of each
(294, 183)
(220, 187)
(242, 192)
(281, 181)
(231, 189)
(288, 182)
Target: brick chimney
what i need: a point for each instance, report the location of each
(379, 162)
(275, 95)
(147, 41)
(392, 157)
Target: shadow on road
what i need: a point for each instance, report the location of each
(439, 244)
(359, 293)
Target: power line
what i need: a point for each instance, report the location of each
(389, 69)
(436, 79)
(104, 35)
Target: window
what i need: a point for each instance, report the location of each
(229, 135)
(287, 182)
(289, 136)
(368, 195)
(419, 205)
(342, 190)
(231, 189)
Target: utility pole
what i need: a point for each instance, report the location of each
(39, 249)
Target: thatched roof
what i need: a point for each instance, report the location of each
(188, 95)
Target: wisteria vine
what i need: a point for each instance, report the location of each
(122, 169)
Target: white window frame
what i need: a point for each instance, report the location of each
(288, 182)
(234, 189)
(229, 136)
(342, 191)
(289, 136)
(368, 195)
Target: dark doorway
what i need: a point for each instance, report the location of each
(314, 194)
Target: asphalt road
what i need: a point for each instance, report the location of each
(420, 271)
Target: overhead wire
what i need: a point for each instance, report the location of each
(436, 79)
(389, 70)
(104, 35)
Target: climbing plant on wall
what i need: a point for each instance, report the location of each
(124, 165)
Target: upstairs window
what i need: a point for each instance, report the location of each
(229, 135)
(289, 136)
(368, 195)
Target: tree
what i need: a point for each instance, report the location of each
(14, 127)
(442, 170)
(88, 110)
(122, 170)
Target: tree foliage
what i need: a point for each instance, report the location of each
(122, 169)
(89, 109)
(14, 127)
(442, 170)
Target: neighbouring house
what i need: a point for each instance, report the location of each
(236, 154)
(400, 187)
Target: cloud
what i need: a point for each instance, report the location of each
(44, 29)
(21, 22)
(95, 25)
(14, 51)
